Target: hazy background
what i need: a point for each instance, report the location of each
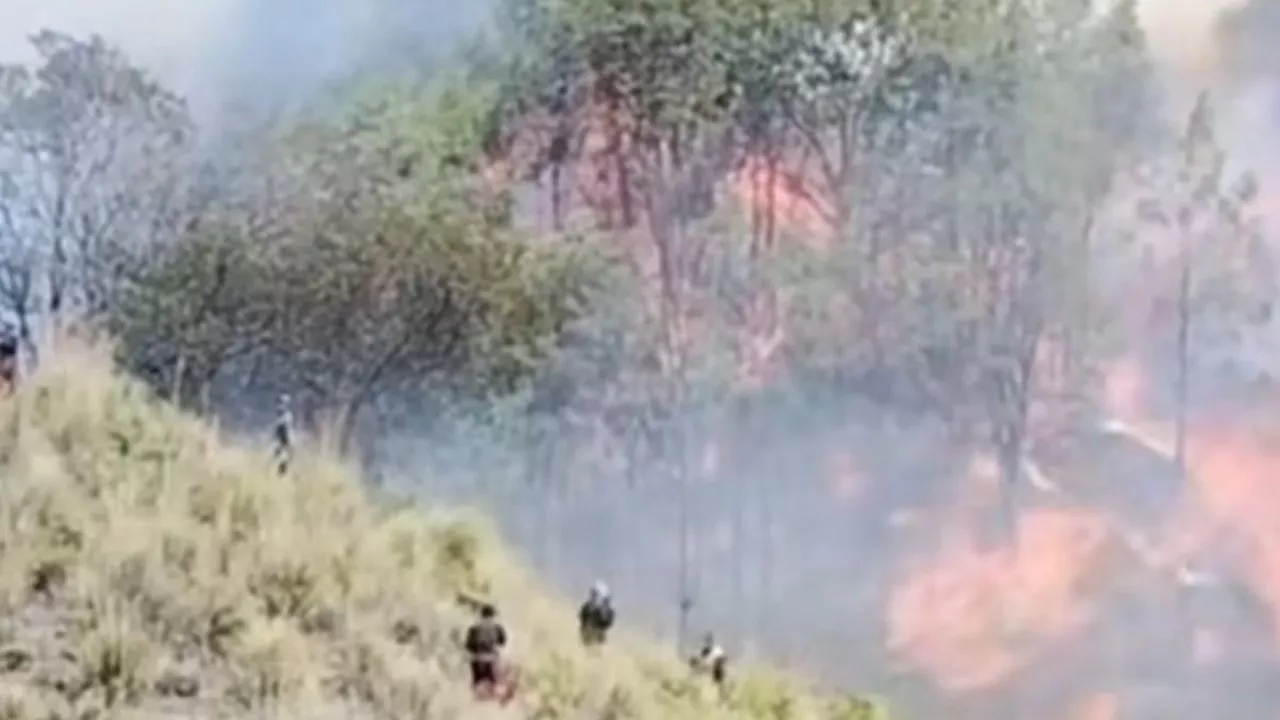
(229, 56)
(807, 570)
(1230, 47)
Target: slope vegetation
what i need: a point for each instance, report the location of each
(150, 568)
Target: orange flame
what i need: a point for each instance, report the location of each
(1236, 486)
(847, 482)
(969, 617)
(762, 186)
(1125, 390)
(1099, 706)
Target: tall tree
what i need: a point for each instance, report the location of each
(1205, 216)
(374, 256)
(91, 150)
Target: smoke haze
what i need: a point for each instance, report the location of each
(1229, 48)
(807, 548)
(229, 56)
(223, 53)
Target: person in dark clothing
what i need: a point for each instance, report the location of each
(711, 659)
(282, 433)
(595, 617)
(484, 643)
(8, 360)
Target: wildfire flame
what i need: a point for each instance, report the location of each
(771, 188)
(971, 616)
(1100, 706)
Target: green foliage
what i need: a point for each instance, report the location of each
(184, 314)
(385, 262)
(855, 708)
(763, 698)
(93, 154)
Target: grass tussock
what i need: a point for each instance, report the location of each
(148, 568)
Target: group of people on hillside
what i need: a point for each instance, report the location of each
(486, 639)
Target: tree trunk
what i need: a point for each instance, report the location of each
(57, 285)
(1183, 362)
(557, 197)
(741, 443)
(205, 401)
(771, 199)
(175, 383)
(22, 312)
(684, 529)
(1009, 452)
(348, 418)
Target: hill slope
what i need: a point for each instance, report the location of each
(151, 569)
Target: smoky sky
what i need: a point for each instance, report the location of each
(229, 56)
(1252, 37)
(1250, 61)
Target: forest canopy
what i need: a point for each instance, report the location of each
(633, 209)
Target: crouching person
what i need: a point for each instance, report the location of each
(595, 617)
(8, 361)
(711, 660)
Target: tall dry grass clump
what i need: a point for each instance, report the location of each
(149, 568)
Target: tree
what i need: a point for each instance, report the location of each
(90, 149)
(839, 77)
(1048, 161)
(988, 169)
(1193, 201)
(374, 260)
(198, 305)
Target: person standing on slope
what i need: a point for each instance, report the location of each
(595, 617)
(485, 640)
(8, 360)
(283, 434)
(711, 659)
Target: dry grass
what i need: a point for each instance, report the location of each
(149, 568)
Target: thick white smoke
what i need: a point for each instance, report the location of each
(1183, 35)
(178, 41)
(1199, 47)
(1230, 48)
(227, 51)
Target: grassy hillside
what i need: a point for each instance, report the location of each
(150, 568)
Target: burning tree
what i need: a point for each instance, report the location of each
(1009, 158)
